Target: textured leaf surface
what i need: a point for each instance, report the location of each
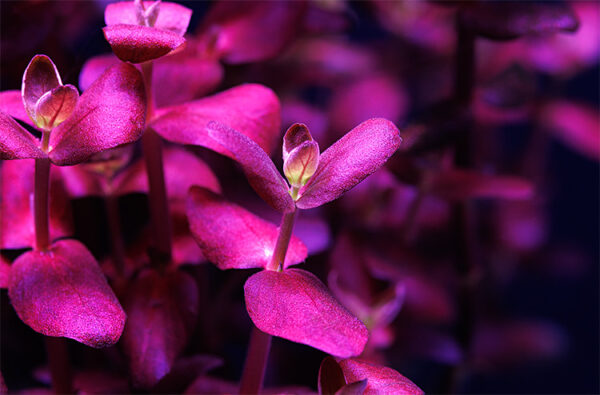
(171, 16)
(380, 379)
(16, 142)
(295, 305)
(40, 77)
(110, 113)
(258, 167)
(55, 106)
(62, 292)
(350, 160)
(162, 312)
(251, 109)
(16, 215)
(138, 44)
(232, 237)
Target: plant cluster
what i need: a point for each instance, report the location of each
(379, 229)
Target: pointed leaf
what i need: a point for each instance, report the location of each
(138, 44)
(11, 103)
(171, 16)
(16, 142)
(110, 113)
(509, 20)
(257, 166)
(16, 205)
(350, 160)
(380, 379)
(232, 237)
(331, 377)
(55, 106)
(251, 109)
(295, 305)
(40, 77)
(62, 292)
(468, 184)
(162, 312)
(253, 31)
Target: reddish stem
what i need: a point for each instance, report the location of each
(260, 342)
(60, 369)
(159, 205)
(40, 203)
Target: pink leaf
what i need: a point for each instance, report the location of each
(251, 109)
(94, 67)
(110, 113)
(16, 205)
(62, 292)
(380, 379)
(138, 44)
(11, 103)
(253, 31)
(295, 305)
(468, 184)
(162, 311)
(233, 238)
(16, 142)
(258, 167)
(40, 77)
(171, 16)
(350, 160)
(576, 125)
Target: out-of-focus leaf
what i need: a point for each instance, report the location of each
(11, 103)
(171, 16)
(380, 379)
(62, 292)
(162, 310)
(4, 272)
(295, 305)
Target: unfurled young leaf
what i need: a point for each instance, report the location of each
(262, 174)
(251, 109)
(40, 76)
(350, 160)
(295, 305)
(162, 310)
(233, 238)
(110, 113)
(62, 292)
(380, 379)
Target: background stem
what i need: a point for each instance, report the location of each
(58, 361)
(159, 205)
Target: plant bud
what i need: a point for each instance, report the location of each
(301, 163)
(296, 135)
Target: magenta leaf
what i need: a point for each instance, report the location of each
(110, 113)
(350, 160)
(138, 44)
(94, 67)
(4, 272)
(171, 16)
(232, 237)
(11, 103)
(295, 305)
(40, 77)
(62, 292)
(251, 109)
(253, 31)
(55, 106)
(464, 184)
(16, 142)
(258, 167)
(511, 20)
(162, 310)
(16, 202)
(380, 379)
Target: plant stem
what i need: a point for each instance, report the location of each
(159, 205)
(260, 342)
(58, 360)
(40, 203)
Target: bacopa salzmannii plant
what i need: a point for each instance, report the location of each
(407, 191)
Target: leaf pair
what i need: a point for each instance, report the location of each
(110, 113)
